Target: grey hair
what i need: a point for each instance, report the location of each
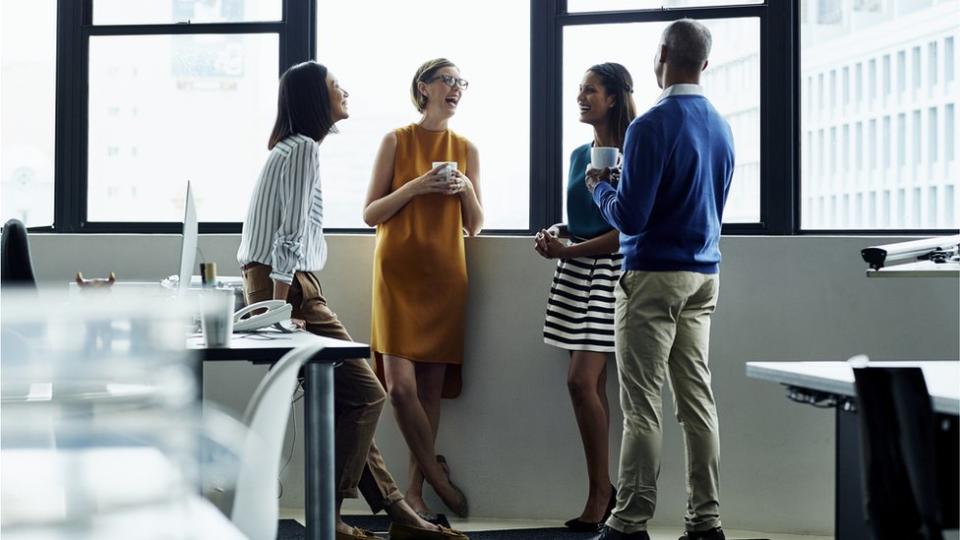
(688, 43)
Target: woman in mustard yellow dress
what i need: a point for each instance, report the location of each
(421, 210)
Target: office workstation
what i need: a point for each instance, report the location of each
(842, 119)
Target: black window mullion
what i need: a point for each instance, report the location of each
(779, 119)
(69, 183)
(546, 61)
(298, 42)
(178, 29)
(664, 15)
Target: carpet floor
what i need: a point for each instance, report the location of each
(291, 530)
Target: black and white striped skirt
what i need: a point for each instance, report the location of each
(580, 306)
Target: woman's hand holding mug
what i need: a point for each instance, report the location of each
(436, 180)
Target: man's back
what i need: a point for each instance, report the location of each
(678, 165)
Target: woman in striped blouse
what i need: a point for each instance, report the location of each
(580, 306)
(282, 251)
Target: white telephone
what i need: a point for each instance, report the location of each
(277, 312)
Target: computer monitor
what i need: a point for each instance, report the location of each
(188, 248)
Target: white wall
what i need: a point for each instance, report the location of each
(511, 438)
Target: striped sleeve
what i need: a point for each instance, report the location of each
(297, 180)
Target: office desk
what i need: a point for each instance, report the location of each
(102, 492)
(831, 384)
(268, 346)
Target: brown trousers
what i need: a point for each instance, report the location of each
(358, 396)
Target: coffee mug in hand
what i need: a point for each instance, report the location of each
(605, 157)
(217, 320)
(447, 170)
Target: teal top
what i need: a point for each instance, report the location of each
(584, 219)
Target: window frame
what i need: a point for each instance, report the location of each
(780, 121)
(778, 106)
(74, 29)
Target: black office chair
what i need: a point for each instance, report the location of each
(905, 496)
(16, 267)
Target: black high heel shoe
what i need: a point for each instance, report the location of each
(578, 525)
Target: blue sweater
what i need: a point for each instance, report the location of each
(677, 165)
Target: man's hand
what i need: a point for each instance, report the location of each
(595, 176)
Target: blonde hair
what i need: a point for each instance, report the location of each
(425, 72)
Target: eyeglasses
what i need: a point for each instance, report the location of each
(451, 81)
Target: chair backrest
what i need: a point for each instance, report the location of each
(16, 267)
(898, 453)
(255, 503)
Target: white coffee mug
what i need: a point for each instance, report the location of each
(605, 157)
(217, 320)
(449, 167)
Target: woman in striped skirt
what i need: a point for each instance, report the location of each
(580, 306)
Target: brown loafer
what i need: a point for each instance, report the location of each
(406, 532)
(358, 534)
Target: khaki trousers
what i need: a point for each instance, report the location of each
(358, 396)
(662, 332)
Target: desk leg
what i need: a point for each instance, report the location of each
(848, 512)
(319, 461)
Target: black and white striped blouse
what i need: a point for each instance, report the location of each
(284, 225)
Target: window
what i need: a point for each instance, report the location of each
(886, 75)
(833, 151)
(494, 112)
(846, 86)
(731, 81)
(27, 104)
(948, 140)
(833, 89)
(901, 71)
(932, 67)
(886, 216)
(172, 92)
(196, 105)
(846, 148)
(932, 141)
(887, 142)
(858, 83)
(901, 140)
(932, 204)
(820, 99)
(907, 136)
(949, 204)
(859, 147)
(917, 137)
(948, 60)
(130, 69)
(917, 68)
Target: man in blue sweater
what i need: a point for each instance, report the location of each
(677, 165)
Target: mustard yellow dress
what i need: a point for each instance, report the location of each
(419, 267)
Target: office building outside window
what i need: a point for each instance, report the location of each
(912, 42)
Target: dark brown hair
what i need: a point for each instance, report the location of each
(424, 73)
(303, 104)
(616, 80)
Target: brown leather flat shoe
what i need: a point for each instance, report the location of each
(358, 534)
(406, 532)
